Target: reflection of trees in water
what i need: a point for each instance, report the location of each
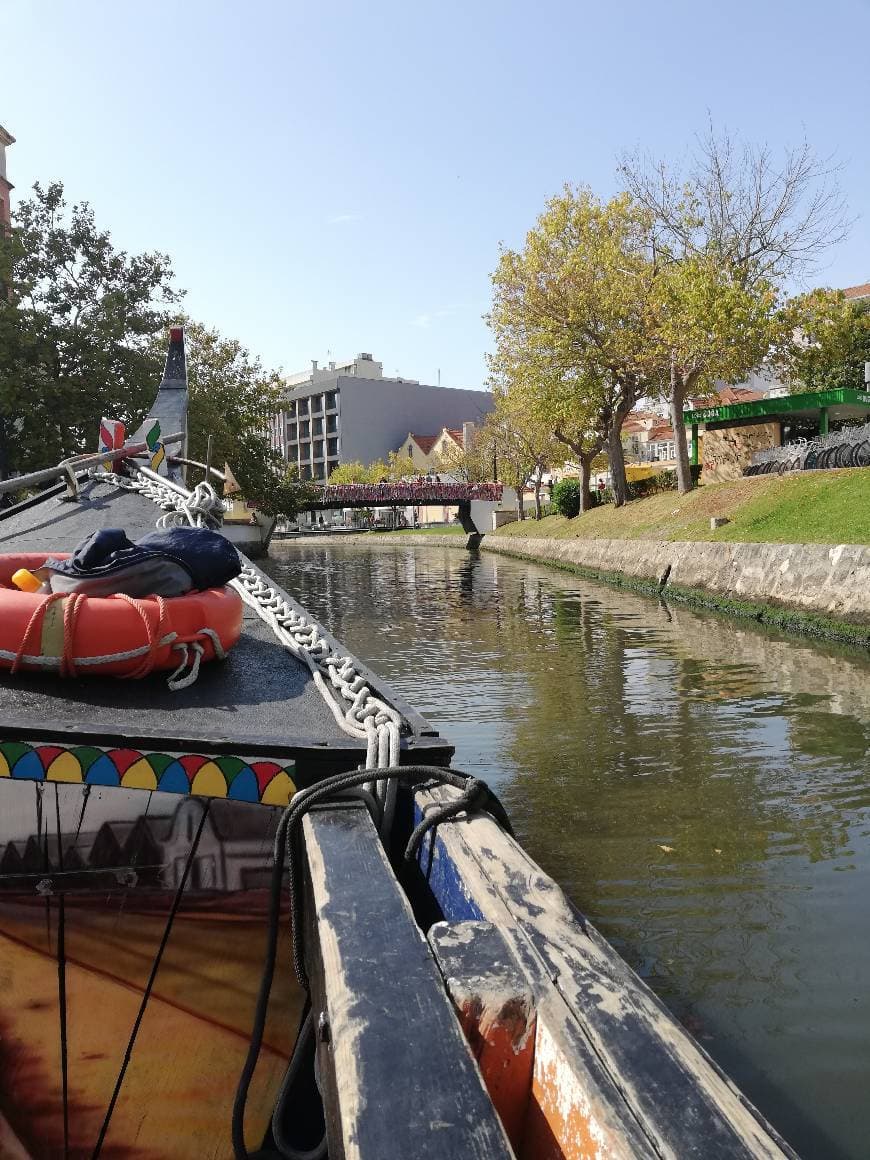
(621, 725)
(629, 742)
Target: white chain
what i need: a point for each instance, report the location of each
(356, 710)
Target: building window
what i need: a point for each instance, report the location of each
(331, 466)
(291, 432)
(331, 424)
(303, 407)
(331, 400)
(305, 451)
(291, 410)
(304, 429)
(316, 404)
(316, 426)
(332, 447)
(318, 448)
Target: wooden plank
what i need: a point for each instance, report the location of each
(496, 1010)
(397, 1075)
(650, 1070)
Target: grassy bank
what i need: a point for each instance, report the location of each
(812, 507)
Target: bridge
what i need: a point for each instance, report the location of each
(475, 501)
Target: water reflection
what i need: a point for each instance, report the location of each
(699, 786)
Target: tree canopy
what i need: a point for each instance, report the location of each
(397, 466)
(78, 321)
(83, 332)
(232, 399)
(831, 344)
(572, 317)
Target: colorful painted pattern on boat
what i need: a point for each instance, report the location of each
(247, 779)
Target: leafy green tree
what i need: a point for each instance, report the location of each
(829, 342)
(78, 320)
(397, 467)
(232, 398)
(571, 319)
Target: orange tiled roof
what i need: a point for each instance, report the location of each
(456, 436)
(738, 395)
(862, 291)
(425, 442)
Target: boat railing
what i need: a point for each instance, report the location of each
(74, 465)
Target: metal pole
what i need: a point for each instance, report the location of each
(80, 463)
(208, 456)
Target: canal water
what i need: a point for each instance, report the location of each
(698, 785)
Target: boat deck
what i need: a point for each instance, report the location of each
(261, 700)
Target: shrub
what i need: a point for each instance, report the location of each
(566, 498)
(662, 481)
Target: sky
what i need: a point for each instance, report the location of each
(337, 176)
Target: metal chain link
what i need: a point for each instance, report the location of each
(356, 710)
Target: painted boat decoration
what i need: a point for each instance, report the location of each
(260, 916)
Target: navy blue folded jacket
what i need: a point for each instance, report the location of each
(165, 563)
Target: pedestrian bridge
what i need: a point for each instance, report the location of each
(403, 494)
(474, 501)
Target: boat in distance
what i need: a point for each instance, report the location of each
(259, 915)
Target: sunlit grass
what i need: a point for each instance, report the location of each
(812, 507)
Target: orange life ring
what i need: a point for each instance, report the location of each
(118, 636)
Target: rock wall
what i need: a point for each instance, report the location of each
(830, 580)
(727, 450)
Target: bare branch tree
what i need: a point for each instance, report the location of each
(763, 216)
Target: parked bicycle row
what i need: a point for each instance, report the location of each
(849, 447)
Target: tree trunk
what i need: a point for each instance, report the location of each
(616, 455)
(585, 480)
(521, 507)
(538, 473)
(676, 401)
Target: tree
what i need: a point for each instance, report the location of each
(830, 343)
(78, 320)
(398, 466)
(571, 319)
(727, 232)
(232, 398)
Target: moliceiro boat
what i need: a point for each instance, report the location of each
(261, 916)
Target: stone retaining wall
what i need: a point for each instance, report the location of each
(831, 580)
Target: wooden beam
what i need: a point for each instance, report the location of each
(496, 1010)
(612, 1064)
(397, 1076)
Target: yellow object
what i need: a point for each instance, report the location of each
(26, 581)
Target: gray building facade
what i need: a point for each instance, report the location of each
(352, 413)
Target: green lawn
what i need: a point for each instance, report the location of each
(811, 507)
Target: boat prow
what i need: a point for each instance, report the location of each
(165, 857)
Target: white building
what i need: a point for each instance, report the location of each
(347, 412)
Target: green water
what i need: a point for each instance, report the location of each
(614, 726)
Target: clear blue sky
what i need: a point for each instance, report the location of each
(337, 175)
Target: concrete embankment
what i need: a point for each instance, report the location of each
(827, 586)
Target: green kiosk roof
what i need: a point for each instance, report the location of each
(841, 403)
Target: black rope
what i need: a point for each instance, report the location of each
(61, 982)
(146, 995)
(475, 794)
